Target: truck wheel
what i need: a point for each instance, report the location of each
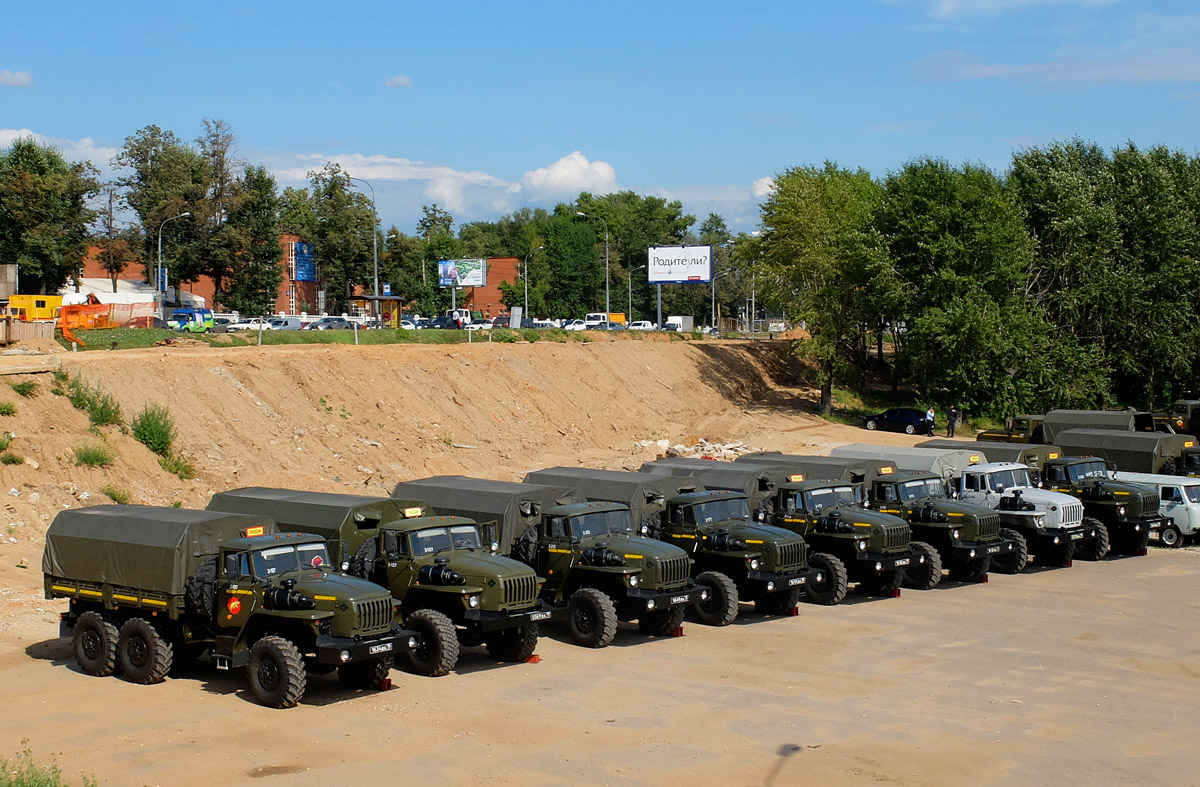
(436, 652)
(276, 673)
(365, 674)
(95, 644)
(363, 562)
(661, 622)
(834, 580)
(591, 618)
(513, 644)
(924, 576)
(1170, 537)
(883, 584)
(778, 603)
(1095, 548)
(971, 570)
(145, 654)
(201, 594)
(1011, 562)
(721, 606)
(1056, 554)
(525, 550)
(1133, 543)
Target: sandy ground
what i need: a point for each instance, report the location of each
(1085, 675)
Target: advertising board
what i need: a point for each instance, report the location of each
(462, 273)
(675, 264)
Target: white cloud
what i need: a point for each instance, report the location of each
(398, 81)
(568, 176)
(948, 9)
(15, 78)
(762, 188)
(84, 149)
(1075, 68)
(380, 167)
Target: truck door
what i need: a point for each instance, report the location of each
(556, 552)
(236, 598)
(681, 528)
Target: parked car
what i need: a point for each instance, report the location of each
(331, 324)
(641, 325)
(285, 323)
(544, 323)
(444, 322)
(574, 325)
(250, 324)
(503, 321)
(898, 419)
(422, 323)
(408, 325)
(479, 325)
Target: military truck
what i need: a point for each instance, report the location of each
(735, 558)
(1029, 454)
(1124, 513)
(1021, 429)
(801, 467)
(1183, 416)
(595, 566)
(1050, 522)
(147, 585)
(1134, 452)
(947, 463)
(757, 483)
(850, 543)
(451, 588)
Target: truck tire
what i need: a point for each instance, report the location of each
(1132, 543)
(721, 606)
(653, 525)
(591, 618)
(201, 592)
(924, 576)
(366, 674)
(525, 548)
(436, 652)
(1096, 548)
(883, 584)
(363, 562)
(95, 644)
(661, 622)
(834, 581)
(971, 570)
(778, 603)
(145, 654)
(1056, 554)
(1170, 536)
(512, 644)
(276, 673)
(1011, 562)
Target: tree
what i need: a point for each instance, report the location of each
(434, 221)
(43, 214)
(254, 220)
(342, 232)
(116, 248)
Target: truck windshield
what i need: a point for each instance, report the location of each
(924, 487)
(1007, 479)
(830, 496)
(292, 557)
(600, 522)
(438, 539)
(1082, 470)
(1179, 409)
(1193, 493)
(719, 509)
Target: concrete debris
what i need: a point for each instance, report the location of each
(14, 492)
(699, 448)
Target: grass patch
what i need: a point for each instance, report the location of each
(177, 504)
(5, 441)
(94, 455)
(26, 388)
(178, 465)
(504, 335)
(154, 428)
(24, 772)
(9, 458)
(530, 335)
(557, 335)
(101, 407)
(116, 495)
(8, 408)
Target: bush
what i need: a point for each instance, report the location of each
(530, 335)
(60, 376)
(557, 335)
(94, 455)
(102, 408)
(9, 458)
(504, 335)
(8, 408)
(116, 495)
(155, 429)
(5, 441)
(26, 388)
(178, 465)
(24, 772)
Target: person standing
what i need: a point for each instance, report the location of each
(929, 416)
(951, 421)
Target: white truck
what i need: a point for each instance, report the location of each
(1179, 501)
(1050, 522)
(682, 323)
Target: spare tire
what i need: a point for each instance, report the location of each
(201, 591)
(525, 548)
(362, 565)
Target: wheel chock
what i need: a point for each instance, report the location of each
(896, 593)
(1145, 552)
(385, 684)
(793, 612)
(533, 659)
(678, 632)
(1068, 564)
(983, 580)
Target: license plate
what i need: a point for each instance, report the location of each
(795, 581)
(386, 648)
(679, 599)
(1077, 536)
(904, 561)
(993, 550)
(539, 616)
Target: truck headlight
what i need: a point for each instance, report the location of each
(344, 656)
(1038, 520)
(633, 580)
(473, 602)
(753, 563)
(862, 546)
(954, 533)
(495, 546)
(1121, 510)
(878, 567)
(971, 554)
(770, 586)
(650, 605)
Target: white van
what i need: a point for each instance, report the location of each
(1178, 500)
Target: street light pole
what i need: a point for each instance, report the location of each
(607, 310)
(629, 318)
(714, 296)
(526, 278)
(374, 239)
(158, 273)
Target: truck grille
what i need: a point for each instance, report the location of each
(1149, 501)
(790, 556)
(374, 615)
(896, 538)
(675, 571)
(518, 591)
(989, 527)
(1072, 514)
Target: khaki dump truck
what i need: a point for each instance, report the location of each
(736, 558)
(451, 587)
(1134, 452)
(595, 566)
(147, 585)
(757, 483)
(947, 463)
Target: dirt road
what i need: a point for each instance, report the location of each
(1086, 675)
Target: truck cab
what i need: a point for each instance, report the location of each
(1022, 429)
(1127, 511)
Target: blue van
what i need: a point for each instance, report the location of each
(192, 320)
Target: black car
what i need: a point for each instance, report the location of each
(444, 322)
(898, 419)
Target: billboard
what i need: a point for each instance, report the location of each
(462, 273)
(306, 262)
(673, 264)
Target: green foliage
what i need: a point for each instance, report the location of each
(61, 376)
(504, 335)
(177, 504)
(530, 335)
(24, 772)
(178, 465)
(94, 455)
(9, 458)
(101, 407)
(8, 408)
(5, 440)
(116, 495)
(256, 274)
(558, 335)
(28, 388)
(154, 428)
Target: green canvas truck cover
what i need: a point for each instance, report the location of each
(1135, 452)
(946, 463)
(645, 494)
(1031, 454)
(757, 482)
(145, 547)
(1057, 421)
(827, 468)
(513, 507)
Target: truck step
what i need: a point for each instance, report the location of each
(222, 662)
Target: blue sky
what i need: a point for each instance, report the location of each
(487, 107)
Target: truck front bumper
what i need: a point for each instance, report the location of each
(965, 551)
(650, 599)
(345, 650)
(1144, 524)
(761, 583)
(874, 562)
(490, 620)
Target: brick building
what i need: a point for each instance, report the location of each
(486, 299)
